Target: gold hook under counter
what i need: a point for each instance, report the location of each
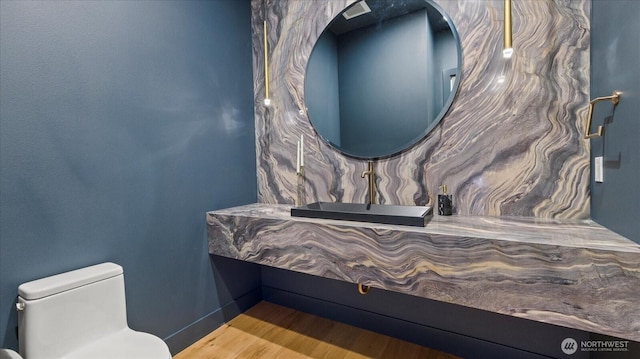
(614, 98)
(363, 289)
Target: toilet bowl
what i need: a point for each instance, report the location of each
(9, 354)
(81, 314)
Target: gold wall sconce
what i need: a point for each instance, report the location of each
(267, 100)
(507, 49)
(614, 98)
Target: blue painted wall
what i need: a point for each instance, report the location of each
(446, 58)
(376, 71)
(321, 87)
(121, 124)
(615, 48)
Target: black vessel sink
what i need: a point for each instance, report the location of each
(375, 213)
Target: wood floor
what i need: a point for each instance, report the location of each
(270, 331)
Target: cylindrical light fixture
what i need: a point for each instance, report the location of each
(507, 50)
(267, 100)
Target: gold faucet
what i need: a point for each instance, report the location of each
(372, 183)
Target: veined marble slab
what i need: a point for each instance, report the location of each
(573, 273)
(511, 144)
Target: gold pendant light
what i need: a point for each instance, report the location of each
(267, 100)
(507, 49)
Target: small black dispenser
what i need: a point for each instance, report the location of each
(444, 202)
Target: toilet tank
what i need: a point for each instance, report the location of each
(60, 313)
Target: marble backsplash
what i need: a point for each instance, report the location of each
(505, 148)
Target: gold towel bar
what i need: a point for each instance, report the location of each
(615, 98)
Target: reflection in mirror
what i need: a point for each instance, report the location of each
(378, 82)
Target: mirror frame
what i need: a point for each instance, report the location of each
(437, 119)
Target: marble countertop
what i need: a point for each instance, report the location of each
(573, 273)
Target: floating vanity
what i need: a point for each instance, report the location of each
(573, 273)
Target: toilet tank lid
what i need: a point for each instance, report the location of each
(58, 283)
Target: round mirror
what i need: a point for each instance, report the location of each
(382, 75)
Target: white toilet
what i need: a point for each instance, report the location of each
(79, 315)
